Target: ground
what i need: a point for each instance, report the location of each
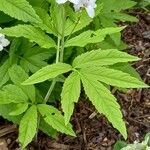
(93, 130)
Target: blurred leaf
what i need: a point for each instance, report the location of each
(119, 145)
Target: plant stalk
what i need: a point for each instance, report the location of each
(59, 54)
(50, 90)
(54, 80)
(63, 35)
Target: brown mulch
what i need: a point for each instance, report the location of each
(94, 132)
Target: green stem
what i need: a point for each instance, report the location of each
(62, 50)
(59, 53)
(54, 80)
(58, 50)
(50, 90)
(63, 36)
(63, 42)
(38, 124)
(73, 30)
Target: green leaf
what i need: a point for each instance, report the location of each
(5, 18)
(28, 126)
(123, 17)
(18, 75)
(119, 145)
(113, 77)
(47, 129)
(30, 32)
(82, 20)
(91, 36)
(12, 94)
(102, 57)
(108, 43)
(108, 30)
(4, 76)
(50, 71)
(8, 108)
(119, 5)
(112, 12)
(34, 58)
(127, 68)
(147, 139)
(81, 40)
(70, 94)
(39, 3)
(14, 47)
(57, 14)
(104, 102)
(107, 21)
(19, 109)
(19, 9)
(54, 118)
(46, 23)
(144, 4)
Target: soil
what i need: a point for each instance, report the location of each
(93, 130)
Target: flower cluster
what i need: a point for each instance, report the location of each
(3, 41)
(89, 5)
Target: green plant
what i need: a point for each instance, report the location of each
(114, 11)
(56, 48)
(145, 145)
(144, 4)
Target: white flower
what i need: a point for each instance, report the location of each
(3, 41)
(89, 5)
(64, 1)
